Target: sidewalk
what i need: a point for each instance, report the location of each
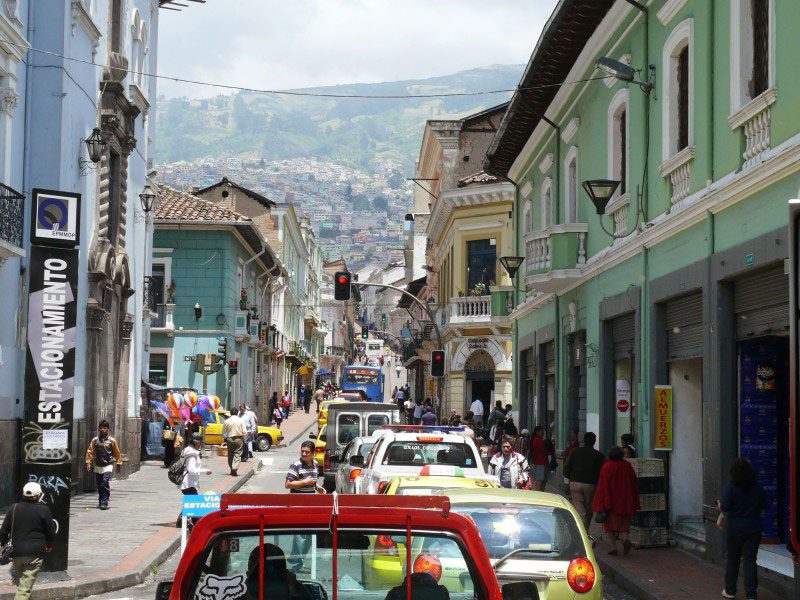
(118, 548)
(664, 573)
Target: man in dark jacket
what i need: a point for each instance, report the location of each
(32, 536)
(583, 470)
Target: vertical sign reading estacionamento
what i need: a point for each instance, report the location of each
(663, 434)
(47, 441)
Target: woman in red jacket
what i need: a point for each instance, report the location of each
(540, 460)
(617, 495)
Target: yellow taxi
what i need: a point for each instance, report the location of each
(322, 417)
(533, 536)
(212, 434)
(385, 565)
(319, 446)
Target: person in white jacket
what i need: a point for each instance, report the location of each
(193, 468)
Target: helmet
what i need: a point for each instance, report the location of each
(31, 490)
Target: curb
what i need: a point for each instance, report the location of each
(114, 580)
(626, 582)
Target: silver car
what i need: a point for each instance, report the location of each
(352, 461)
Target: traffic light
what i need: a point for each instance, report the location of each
(233, 367)
(341, 285)
(437, 363)
(222, 352)
(383, 318)
(364, 332)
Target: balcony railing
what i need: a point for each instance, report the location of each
(555, 256)
(149, 296)
(12, 219)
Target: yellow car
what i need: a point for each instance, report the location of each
(385, 565)
(544, 532)
(319, 446)
(322, 417)
(212, 434)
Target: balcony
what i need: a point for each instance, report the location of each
(12, 218)
(555, 256)
(164, 321)
(241, 329)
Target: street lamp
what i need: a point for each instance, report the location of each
(95, 144)
(622, 72)
(511, 264)
(198, 311)
(147, 198)
(600, 192)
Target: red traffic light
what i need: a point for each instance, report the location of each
(342, 280)
(341, 287)
(437, 363)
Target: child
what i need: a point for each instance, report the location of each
(103, 452)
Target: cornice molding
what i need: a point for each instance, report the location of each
(11, 34)
(80, 16)
(462, 197)
(669, 10)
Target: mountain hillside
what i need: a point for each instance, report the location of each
(347, 131)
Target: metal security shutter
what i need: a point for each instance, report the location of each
(761, 303)
(623, 333)
(684, 322)
(550, 358)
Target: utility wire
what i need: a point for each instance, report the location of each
(307, 94)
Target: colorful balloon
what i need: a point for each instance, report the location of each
(215, 403)
(174, 403)
(190, 399)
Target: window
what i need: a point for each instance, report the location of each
(752, 54)
(116, 25)
(571, 188)
(413, 453)
(158, 282)
(481, 259)
(159, 369)
(618, 140)
(547, 203)
(678, 83)
(526, 217)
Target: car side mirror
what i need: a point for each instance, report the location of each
(312, 436)
(323, 437)
(163, 590)
(594, 542)
(357, 460)
(520, 590)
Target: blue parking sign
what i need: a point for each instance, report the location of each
(199, 505)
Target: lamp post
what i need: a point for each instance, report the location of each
(95, 144)
(147, 199)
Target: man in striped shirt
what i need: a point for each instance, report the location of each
(302, 479)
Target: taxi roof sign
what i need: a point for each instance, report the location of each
(441, 471)
(424, 428)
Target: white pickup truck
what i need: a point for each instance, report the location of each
(401, 450)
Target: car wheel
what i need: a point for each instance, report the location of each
(264, 443)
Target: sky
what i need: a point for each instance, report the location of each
(289, 44)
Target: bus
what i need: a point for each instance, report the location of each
(373, 348)
(362, 377)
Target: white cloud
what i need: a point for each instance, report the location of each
(304, 43)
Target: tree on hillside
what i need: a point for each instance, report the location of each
(243, 117)
(396, 180)
(361, 202)
(380, 203)
(348, 192)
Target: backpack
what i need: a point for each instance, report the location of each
(177, 470)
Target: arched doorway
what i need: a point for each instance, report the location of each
(479, 370)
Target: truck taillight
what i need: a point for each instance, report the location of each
(385, 546)
(382, 486)
(320, 449)
(354, 473)
(428, 563)
(580, 575)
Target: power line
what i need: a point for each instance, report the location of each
(306, 94)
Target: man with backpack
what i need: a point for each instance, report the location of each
(103, 453)
(189, 467)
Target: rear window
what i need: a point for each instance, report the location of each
(299, 565)
(347, 428)
(414, 452)
(375, 422)
(550, 533)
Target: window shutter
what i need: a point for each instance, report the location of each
(623, 150)
(683, 99)
(760, 12)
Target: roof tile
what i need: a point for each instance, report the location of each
(175, 205)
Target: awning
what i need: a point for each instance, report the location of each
(303, 370)
(413, 288)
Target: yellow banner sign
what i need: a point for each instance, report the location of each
(663, 439)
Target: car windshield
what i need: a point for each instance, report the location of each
(419, 452)
(550, 532)
(299, 566)
(365, 448)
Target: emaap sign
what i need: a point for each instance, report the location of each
(56, 218)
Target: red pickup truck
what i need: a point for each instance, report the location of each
(322, 547)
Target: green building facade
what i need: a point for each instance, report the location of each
(692, 292)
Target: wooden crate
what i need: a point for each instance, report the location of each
(648, 537)
(647, 467)
(652, 502)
